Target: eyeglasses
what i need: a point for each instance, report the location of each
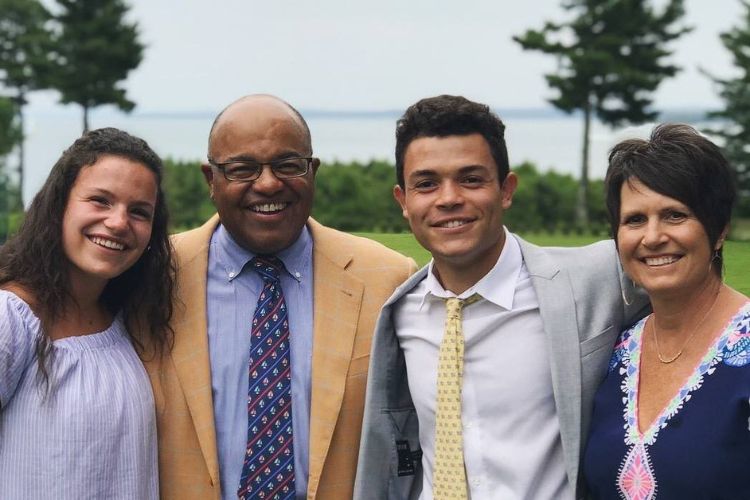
(248, 170)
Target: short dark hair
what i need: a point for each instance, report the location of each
(680, 163)
(446, 115)
(34, 258)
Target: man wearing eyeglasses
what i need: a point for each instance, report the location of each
(262, 286)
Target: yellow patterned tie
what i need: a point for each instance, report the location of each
(449, 479)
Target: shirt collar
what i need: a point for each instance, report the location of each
(497, 286)
(234, 257)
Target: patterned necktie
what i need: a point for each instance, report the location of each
(268, 468)
(449, 478)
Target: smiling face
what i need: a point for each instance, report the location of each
(107, 222)
(266, 215)
(662, 245)
(454, 202)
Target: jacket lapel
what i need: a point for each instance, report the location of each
(190, 353)
(558, 311)
(337, 301)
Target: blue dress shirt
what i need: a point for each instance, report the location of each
(231, 296)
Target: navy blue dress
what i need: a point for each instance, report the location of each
(698, 447)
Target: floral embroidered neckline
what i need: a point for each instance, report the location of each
(632, 360)
(636, 479)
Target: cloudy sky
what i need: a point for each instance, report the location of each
(367, 55)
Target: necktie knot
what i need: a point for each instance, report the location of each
(454, 305)
(268, 266)
(453, 308)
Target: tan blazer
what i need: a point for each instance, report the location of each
(353, 277)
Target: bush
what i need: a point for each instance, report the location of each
(358, 197)
(186, 192)
(355, 197)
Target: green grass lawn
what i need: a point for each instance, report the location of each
(736, 253)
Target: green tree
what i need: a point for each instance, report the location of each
(96, 49)
(348, 196)
(25, 44)
(10, 135)
(524, 214)
(356, 197)
(186, 193)
(735, 92)
(542, 202)
(10, 130)
(611, 58)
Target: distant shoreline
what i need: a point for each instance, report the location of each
(685, 115)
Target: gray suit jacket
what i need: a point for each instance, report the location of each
(580, 293)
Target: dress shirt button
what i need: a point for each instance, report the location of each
(232, 274)
(468, 425)
(476, 482)
(297, 274)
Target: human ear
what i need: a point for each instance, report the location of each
(208, 175)
(508, 188)
(722, 237)
(400, 197)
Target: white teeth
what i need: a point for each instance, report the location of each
(268, 207)
(453, 223)
(107, 243)
(660, 261)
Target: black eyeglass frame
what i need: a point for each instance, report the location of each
(221, 166)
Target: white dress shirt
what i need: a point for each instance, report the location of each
(512, 447)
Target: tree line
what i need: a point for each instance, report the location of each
(358, 197)
(350, 197)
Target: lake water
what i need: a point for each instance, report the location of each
(549, 141)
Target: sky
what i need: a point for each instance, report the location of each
(340, 55)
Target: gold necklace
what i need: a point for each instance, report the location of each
(666, 361)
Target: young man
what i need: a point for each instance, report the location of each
(263, 392)
(499, 407)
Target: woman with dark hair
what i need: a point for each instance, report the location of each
(671, 417)
(91, 262)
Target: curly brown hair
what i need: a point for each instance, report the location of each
(34, 258)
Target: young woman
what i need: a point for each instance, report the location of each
(671, 418)
(91, 261)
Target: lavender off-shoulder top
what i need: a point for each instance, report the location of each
(93, 434)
